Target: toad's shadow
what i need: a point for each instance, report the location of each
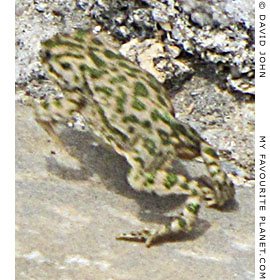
(113, 169)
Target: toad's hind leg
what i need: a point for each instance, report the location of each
(222, 188)
(192, 145)
(165, 183)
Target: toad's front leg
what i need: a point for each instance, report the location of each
(165, 183)
(182, 223)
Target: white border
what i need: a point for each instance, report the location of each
(7, 183)
(262, 129)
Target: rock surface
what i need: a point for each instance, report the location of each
(70, 206)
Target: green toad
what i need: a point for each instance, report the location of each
(128, 110)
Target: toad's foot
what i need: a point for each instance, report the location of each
(147, 236)
(182, 223)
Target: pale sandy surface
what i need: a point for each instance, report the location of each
(68, 214)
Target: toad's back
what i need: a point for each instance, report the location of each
(126, 103)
